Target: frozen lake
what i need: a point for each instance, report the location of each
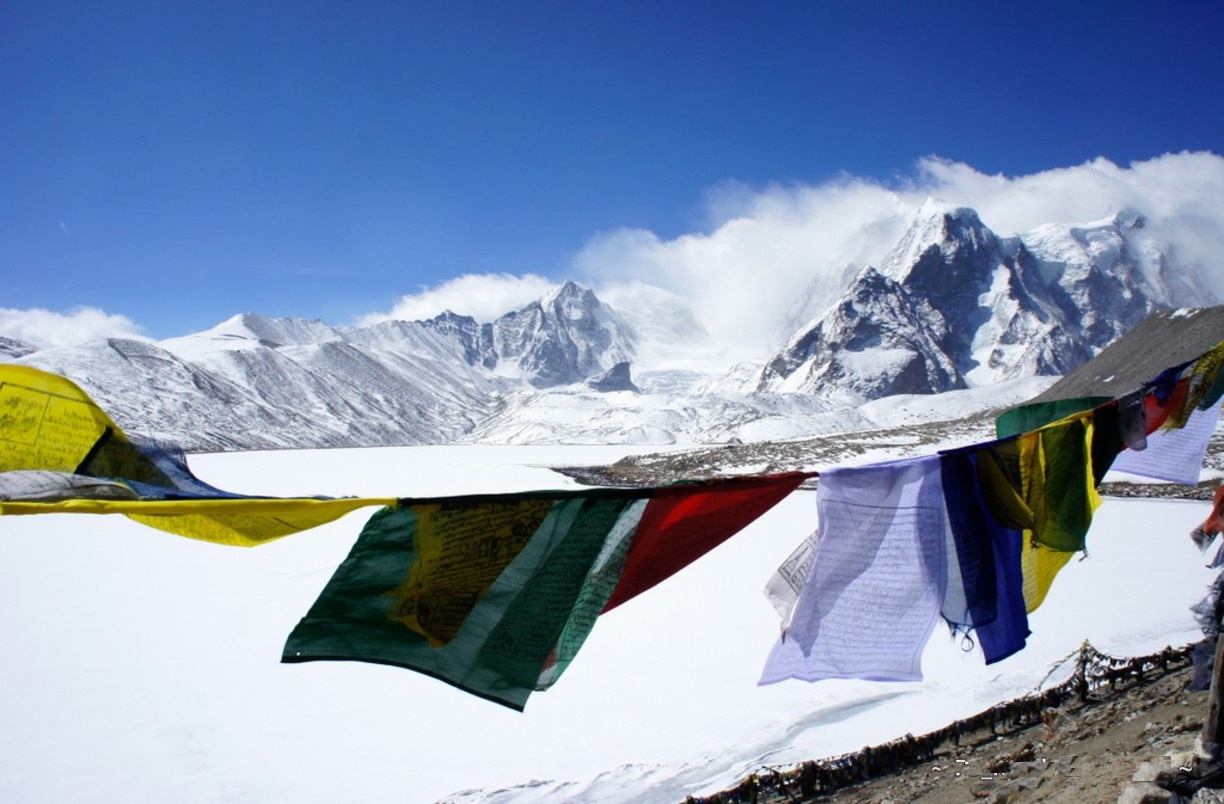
(143, 667)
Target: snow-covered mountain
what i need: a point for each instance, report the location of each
(956, 306)
(254, 382)
(953, 306)
(564, 338)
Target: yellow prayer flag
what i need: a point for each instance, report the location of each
(47, 423)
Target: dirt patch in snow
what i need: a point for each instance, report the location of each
(1080, 751)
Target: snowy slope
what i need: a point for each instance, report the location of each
(12, 348)
(707, 416)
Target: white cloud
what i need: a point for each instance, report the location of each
(743, 277)
(1178, 196)
(47, 328)
(484, 297)
(1162, 188)
(776, 254)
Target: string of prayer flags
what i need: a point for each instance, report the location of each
(977, 534)
(61, 453)
(494, 594)
(1162, 429)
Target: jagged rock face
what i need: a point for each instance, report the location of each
(876, 341)
(616, 378)
(957, 306)
(562, 339)
(476, 340)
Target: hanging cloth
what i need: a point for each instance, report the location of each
(495, 594)
(876, 586)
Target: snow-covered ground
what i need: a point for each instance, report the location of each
(142, 667)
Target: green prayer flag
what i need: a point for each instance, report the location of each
(495, 594)
(1026, 418)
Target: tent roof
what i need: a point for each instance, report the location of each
(1163, 339)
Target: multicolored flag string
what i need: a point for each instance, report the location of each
(977, 534)
(494, 594)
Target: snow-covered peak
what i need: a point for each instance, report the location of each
(252, 330)
(955, 304)
(567, 296)
(937, 226)
(1101, 242)
(288, 331)
(566, 337)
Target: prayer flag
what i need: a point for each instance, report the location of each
(1175, 455)
(992, 578)
(61, 453)
(876, 586)
(1043, 482)
(494, 594)
(1035, 415)
(971, 600)
(1203, 386)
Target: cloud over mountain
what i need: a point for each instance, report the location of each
(768, 247)
(484, 297)
(44, 328)
(771, 258)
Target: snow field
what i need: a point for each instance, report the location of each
(143, 667)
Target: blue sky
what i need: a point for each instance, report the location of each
(176, 163)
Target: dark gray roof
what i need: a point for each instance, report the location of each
(1164, 339)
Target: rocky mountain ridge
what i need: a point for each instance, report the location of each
(954, 306)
